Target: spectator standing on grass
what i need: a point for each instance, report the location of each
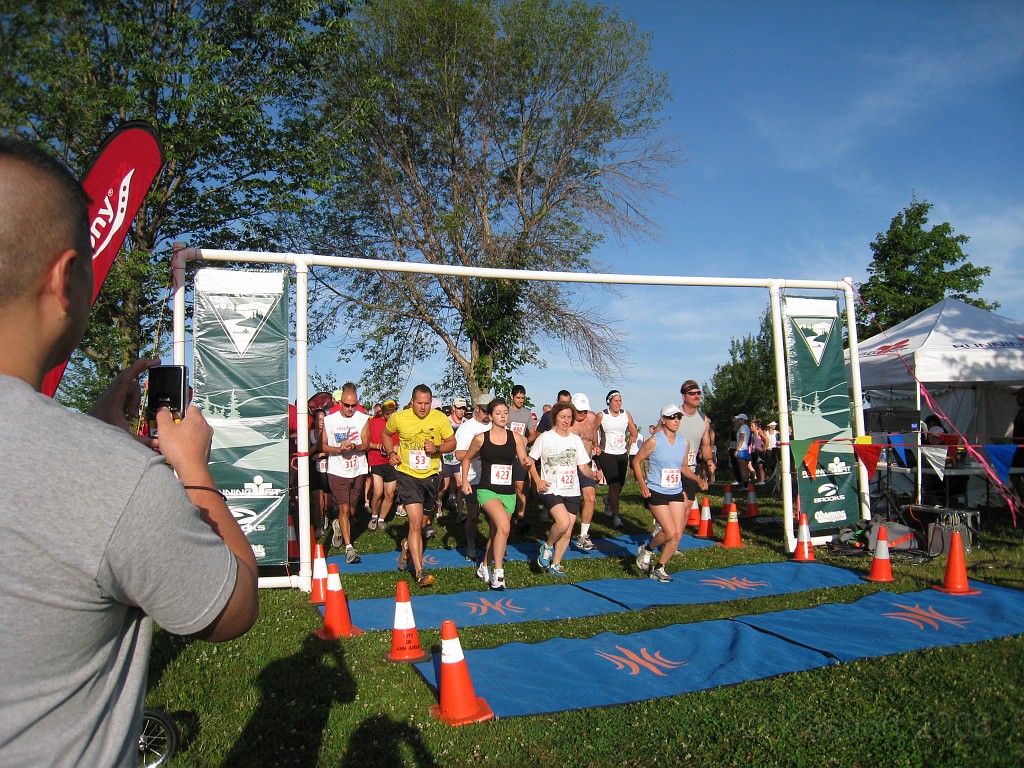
(496, 451)
(346, 466)
(616, 431)
(423, 435)
(148, 547)
(662, 487)
(560, 459)
(742, 448)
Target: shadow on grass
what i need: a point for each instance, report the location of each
(296, 696)
(378, 741)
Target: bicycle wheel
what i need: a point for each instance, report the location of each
(158, 740)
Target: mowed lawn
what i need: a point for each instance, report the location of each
(281, 697)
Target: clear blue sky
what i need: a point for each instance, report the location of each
(805, 127)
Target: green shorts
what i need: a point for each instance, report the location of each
(483, 495)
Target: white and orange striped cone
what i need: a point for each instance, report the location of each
(804, 552)
(881, 566)
(318, 595)
(726, 501)
(293, 543)
(752, 510)
(706, 528)
(694, 518)
(337, 621)
(732, 529)
(955, 581)
(459, 704)
(405, 640)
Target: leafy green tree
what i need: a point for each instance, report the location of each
(914, 268)
(745, 384)
(509, 134)
(230, 86)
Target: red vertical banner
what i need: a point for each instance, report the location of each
(117, 181)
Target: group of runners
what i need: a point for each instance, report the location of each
(489, 455)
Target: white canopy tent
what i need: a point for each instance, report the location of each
(969, 360)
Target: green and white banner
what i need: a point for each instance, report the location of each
(820, 406)
(240, 332)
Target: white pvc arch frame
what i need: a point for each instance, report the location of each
(301, 263)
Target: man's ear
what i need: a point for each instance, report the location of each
(59, 278)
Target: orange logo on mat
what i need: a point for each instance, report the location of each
(654, 662)
(500, 606)
(919, 617)
(734, 583)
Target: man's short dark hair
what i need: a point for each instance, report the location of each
(563, 393)
(518, 389)
(53, 215)
(421, 389)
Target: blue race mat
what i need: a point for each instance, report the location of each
(718, 585)
(603, 596)
(558, 675)
(889, 623)
(616, 669)
(619, 546)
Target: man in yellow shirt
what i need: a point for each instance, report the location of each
(423, 435)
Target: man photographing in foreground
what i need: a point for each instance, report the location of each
(147, 546)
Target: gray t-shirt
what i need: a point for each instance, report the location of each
(521, 420)
(98, 540)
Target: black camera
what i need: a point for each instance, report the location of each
(167, 388)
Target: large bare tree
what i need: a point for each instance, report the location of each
(509, 134)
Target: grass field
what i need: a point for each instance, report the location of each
(281, 697)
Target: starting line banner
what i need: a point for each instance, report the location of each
(820, 406)
(240, 333)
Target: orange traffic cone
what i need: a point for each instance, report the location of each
(732, 529)
(726, 501)
(318, 595)
(337, 622)
(405, 640)
(694, 518)
(293, 543)
(752, 510)
(955, 582)
(804, 552)
(459, 703)
(706, 529)
(881, 567)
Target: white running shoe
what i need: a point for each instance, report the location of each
(498, 579)
(483, 572)
(336, 540)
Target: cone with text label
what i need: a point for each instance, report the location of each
(881, 566)
(955, 582)
(318, 595)
(694, 518)
(405, 640)
(337, 621)
(732, 529)
(459, 704)
(706, 529)
(804, 552)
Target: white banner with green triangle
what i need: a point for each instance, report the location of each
(240, 334)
